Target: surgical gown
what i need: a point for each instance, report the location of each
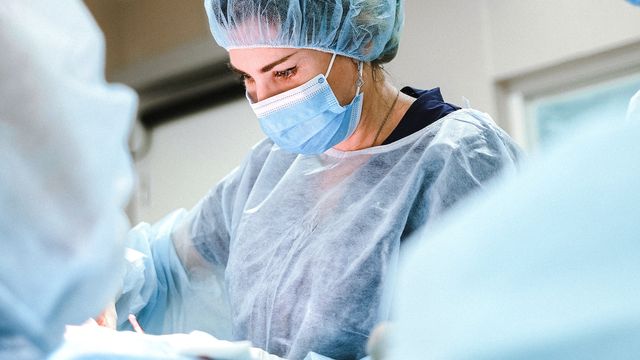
(300, 247)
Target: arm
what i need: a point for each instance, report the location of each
(175, 276)
(174, 281)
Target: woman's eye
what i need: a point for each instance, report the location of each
(247, 81)
(285, 74)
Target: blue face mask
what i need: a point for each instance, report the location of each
(309, 119)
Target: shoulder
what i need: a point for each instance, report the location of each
(264, 157)
(260, 152)
(470, 140)
(265, 162)
(465, 123)
(267, 154)
(468, 129)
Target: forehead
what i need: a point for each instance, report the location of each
(256, 58)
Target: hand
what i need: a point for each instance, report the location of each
(109, 317)
(378, 341)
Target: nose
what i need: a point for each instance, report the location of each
(263, 90)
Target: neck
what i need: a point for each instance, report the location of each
(375, 126)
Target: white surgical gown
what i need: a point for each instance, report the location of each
(303, 245)
(546, 266)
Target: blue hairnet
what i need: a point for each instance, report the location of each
(367, 30)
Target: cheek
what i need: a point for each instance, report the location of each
(344, 90)
(343, 82)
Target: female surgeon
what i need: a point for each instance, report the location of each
(292, 249)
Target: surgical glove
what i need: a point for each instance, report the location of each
(109, 317)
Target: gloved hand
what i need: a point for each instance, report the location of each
(377, 345)
(109, 317)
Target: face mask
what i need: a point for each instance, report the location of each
(309, 119)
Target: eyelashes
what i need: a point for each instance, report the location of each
(281, 74)
(286, 74)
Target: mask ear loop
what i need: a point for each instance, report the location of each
(360, 81)
(333, 58)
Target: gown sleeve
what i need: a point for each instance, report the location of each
(174, 280)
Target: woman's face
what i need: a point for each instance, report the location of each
(270, 71)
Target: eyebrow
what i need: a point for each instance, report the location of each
(265, 68)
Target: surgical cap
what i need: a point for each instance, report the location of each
(366, 30)
(65, 173)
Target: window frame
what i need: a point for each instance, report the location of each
(588, 70)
